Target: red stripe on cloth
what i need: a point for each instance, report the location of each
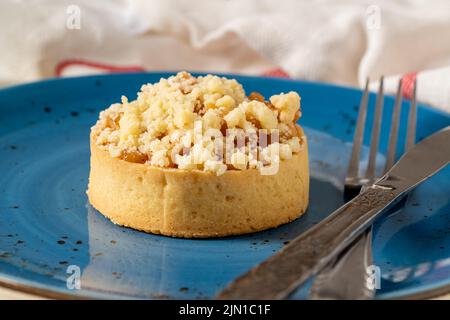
(101, 66)
(277, 73)
(408, 84)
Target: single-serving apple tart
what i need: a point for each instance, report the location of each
(196, 157)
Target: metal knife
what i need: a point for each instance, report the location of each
(281, 274)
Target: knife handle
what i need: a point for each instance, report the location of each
(281, 274)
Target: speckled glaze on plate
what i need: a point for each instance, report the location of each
(47, 225)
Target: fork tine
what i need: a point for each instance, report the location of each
(370, 173)
(393, 134)
(411, 135)
(353, 167)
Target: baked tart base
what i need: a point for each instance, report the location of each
(194, 203)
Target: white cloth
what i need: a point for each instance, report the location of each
(333, 41)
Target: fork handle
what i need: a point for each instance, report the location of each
(346, 276)
(281, 274)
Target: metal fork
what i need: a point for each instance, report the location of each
(346, 277)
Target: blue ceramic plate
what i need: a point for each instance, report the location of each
(49, 232)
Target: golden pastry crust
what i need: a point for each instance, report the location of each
(195, 203)
(193, 157)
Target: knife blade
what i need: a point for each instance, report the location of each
(281, 274)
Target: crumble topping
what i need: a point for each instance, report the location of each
(205, 123)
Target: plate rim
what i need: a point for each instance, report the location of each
(165, 73)
(48, 293)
